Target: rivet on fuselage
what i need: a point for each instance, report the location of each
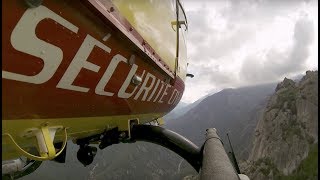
(33, 3)
(132, 60)
(136, 80)
(122, 135)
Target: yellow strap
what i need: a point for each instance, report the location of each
(51, 150)
(49, 143)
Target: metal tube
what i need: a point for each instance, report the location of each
(12, 166)
(169, 139)
(215, 162)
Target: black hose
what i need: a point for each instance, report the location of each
(171, 140)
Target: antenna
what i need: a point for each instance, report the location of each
(233, 156)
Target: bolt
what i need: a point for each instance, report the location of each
(136, 80)
(131, 60)
(122, 135)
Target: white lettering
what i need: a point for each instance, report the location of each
(178, 98)
(154, 90)
(173, 96)
(122, 92)
(164, 93)
(107, 75)
(24, 39)
(80, 61)
(161, 87)
(145, 88)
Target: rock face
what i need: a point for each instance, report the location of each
(286, 130)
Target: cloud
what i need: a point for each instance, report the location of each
(237, 43)
(275, 64)
(210, 35)
(303, 36)
(213, 75)
(219, 45)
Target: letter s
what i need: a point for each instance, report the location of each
(24, 39)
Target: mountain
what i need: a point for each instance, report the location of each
(176, 112)
(285, 142)
(181, 109)
(232, 111)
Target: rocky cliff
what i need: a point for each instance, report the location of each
(287, 130)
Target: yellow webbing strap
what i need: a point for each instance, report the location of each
(49, 144)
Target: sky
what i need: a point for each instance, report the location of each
(235, 43)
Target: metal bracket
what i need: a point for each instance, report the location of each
(179, 23)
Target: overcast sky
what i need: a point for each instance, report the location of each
(234, 43)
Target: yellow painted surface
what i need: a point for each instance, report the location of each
(182, 63)
(76, 128)
(152, 19)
